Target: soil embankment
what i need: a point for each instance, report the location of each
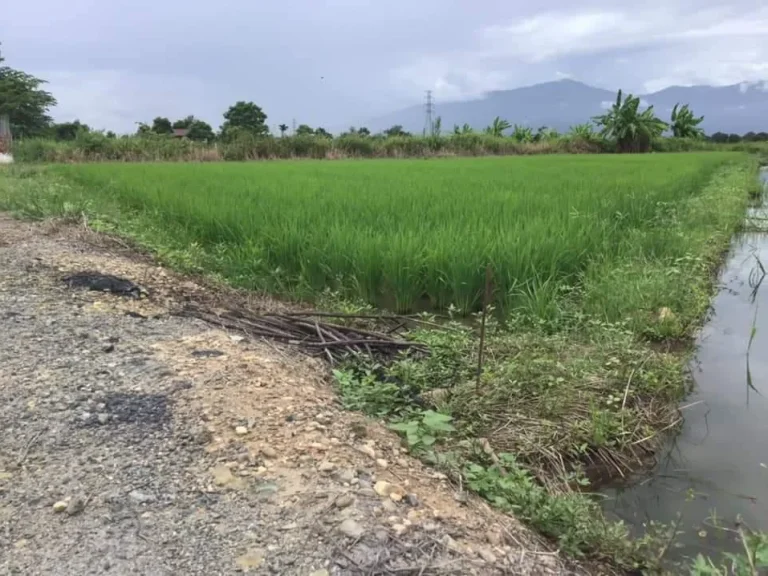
(139, 442)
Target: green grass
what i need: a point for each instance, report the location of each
(411, 235)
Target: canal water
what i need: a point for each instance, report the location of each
(716, 469)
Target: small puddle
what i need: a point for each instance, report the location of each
(716, 468)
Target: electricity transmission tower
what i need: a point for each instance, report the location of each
(429, 112)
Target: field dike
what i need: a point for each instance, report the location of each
(580, 376)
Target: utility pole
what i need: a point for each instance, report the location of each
(293, 125)
(429, 111)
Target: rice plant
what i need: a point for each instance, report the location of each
(410, 234)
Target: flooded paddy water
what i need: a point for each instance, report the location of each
(714, 472)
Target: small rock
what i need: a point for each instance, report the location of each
(322, 572)
(108, 348)
(241, 430)
(412, 500)
(461, 497)
(430, 527)
(103, 418)
(140, 497)
(252, 559)
(326, 466)
(236, 338)
(486, 555)
(367, 450)
(60, 506)
(450, 543)
(389, 506)
(289, 526)
(351, 528)
(268, 452)
(323, 418)
(85, 416)
(345, 475)
(384, 488)
(400, 529)
(402, 462)
(344, 501)
(381, 463)
(75, 506)
(493, 537)
(396, 496)
(381, 535)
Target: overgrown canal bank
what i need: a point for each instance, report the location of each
(712, 478)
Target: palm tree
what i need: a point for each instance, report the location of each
(633, 130)
(497, 127)
(283, 129)
(684, 124)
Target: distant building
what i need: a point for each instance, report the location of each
(180, 132)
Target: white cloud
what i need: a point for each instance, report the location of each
(117, 100)
(669, 44)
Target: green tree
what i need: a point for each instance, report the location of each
(246, 116)
(161, 125)
(283, 129)
(24, 102)
(200, 131)
(396, 130)
(320, 131)
(68, 130)
(143, 129)
(632, 130)
(196, 129)
(684, 124)
(304, 130)
(497, 127)
(184, 123)
(363, 131)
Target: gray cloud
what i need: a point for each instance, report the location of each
(341, 61)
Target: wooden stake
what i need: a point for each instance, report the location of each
(486, 304)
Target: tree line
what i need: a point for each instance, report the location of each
(26, 103)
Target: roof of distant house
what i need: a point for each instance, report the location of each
(180, 132)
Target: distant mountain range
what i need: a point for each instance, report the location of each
(739, 108)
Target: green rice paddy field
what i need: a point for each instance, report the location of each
(416, 234)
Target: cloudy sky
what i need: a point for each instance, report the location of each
(112, 63)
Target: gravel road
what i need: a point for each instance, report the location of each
(139, 442)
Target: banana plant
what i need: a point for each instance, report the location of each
(684, 124)
(633, 130)
(497, 127)
(522, 134)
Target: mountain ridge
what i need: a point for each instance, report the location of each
(559, 104)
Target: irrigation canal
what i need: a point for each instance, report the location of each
(716, 469)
